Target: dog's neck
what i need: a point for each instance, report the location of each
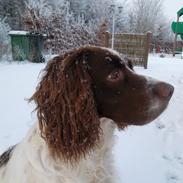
(38, 153)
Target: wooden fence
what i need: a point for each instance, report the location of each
(135, 46)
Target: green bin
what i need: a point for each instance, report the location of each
(27, 46)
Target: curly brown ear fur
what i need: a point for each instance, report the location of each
(65, 107)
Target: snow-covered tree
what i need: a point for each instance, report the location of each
(58, 22)
(145, 15)
(13, 11)
(4, 38)
(36, 12)
(68, 23)
(163, 36)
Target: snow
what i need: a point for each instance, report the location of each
(23, 33)
(18, 32)
(154, 153)
(146, 154)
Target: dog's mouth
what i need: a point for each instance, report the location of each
(161, 94)
(143, 117)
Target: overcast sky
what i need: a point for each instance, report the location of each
(171, 7)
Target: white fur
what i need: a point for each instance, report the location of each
(31, 162)
(156, 104)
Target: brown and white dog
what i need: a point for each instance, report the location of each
(82, 97)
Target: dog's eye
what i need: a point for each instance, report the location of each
(115, 75)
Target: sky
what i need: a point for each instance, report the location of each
(171, 7)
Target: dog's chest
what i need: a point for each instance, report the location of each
(97, 166)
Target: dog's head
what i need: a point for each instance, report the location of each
(123, 95)
(88, 83)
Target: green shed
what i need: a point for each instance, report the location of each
(27, 46)
(20, 44)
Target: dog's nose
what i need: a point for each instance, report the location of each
(164, 90)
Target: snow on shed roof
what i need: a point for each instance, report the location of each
(18, 32)
(25, 33)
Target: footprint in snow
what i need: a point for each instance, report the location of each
(6, 136)
(165, 157)
(159, 124)
(180, 81)
(171, 178)
(179, 160)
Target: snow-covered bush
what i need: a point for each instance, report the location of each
(63, 36)
(68, 24)
(4, 39)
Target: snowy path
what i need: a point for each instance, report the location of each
(154, 153)
(148, 154)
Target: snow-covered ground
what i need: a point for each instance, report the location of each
(148, 154)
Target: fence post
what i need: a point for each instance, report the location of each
(148, 40)
(175, 39)
(106, 41)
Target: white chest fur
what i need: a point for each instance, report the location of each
(32, 163)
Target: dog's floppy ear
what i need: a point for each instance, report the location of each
(66, 108)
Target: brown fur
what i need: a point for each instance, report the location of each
(65, 107)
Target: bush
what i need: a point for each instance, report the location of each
(64, 31)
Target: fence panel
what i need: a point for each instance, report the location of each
(135, 46)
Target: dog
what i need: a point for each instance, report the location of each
(83, 96)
